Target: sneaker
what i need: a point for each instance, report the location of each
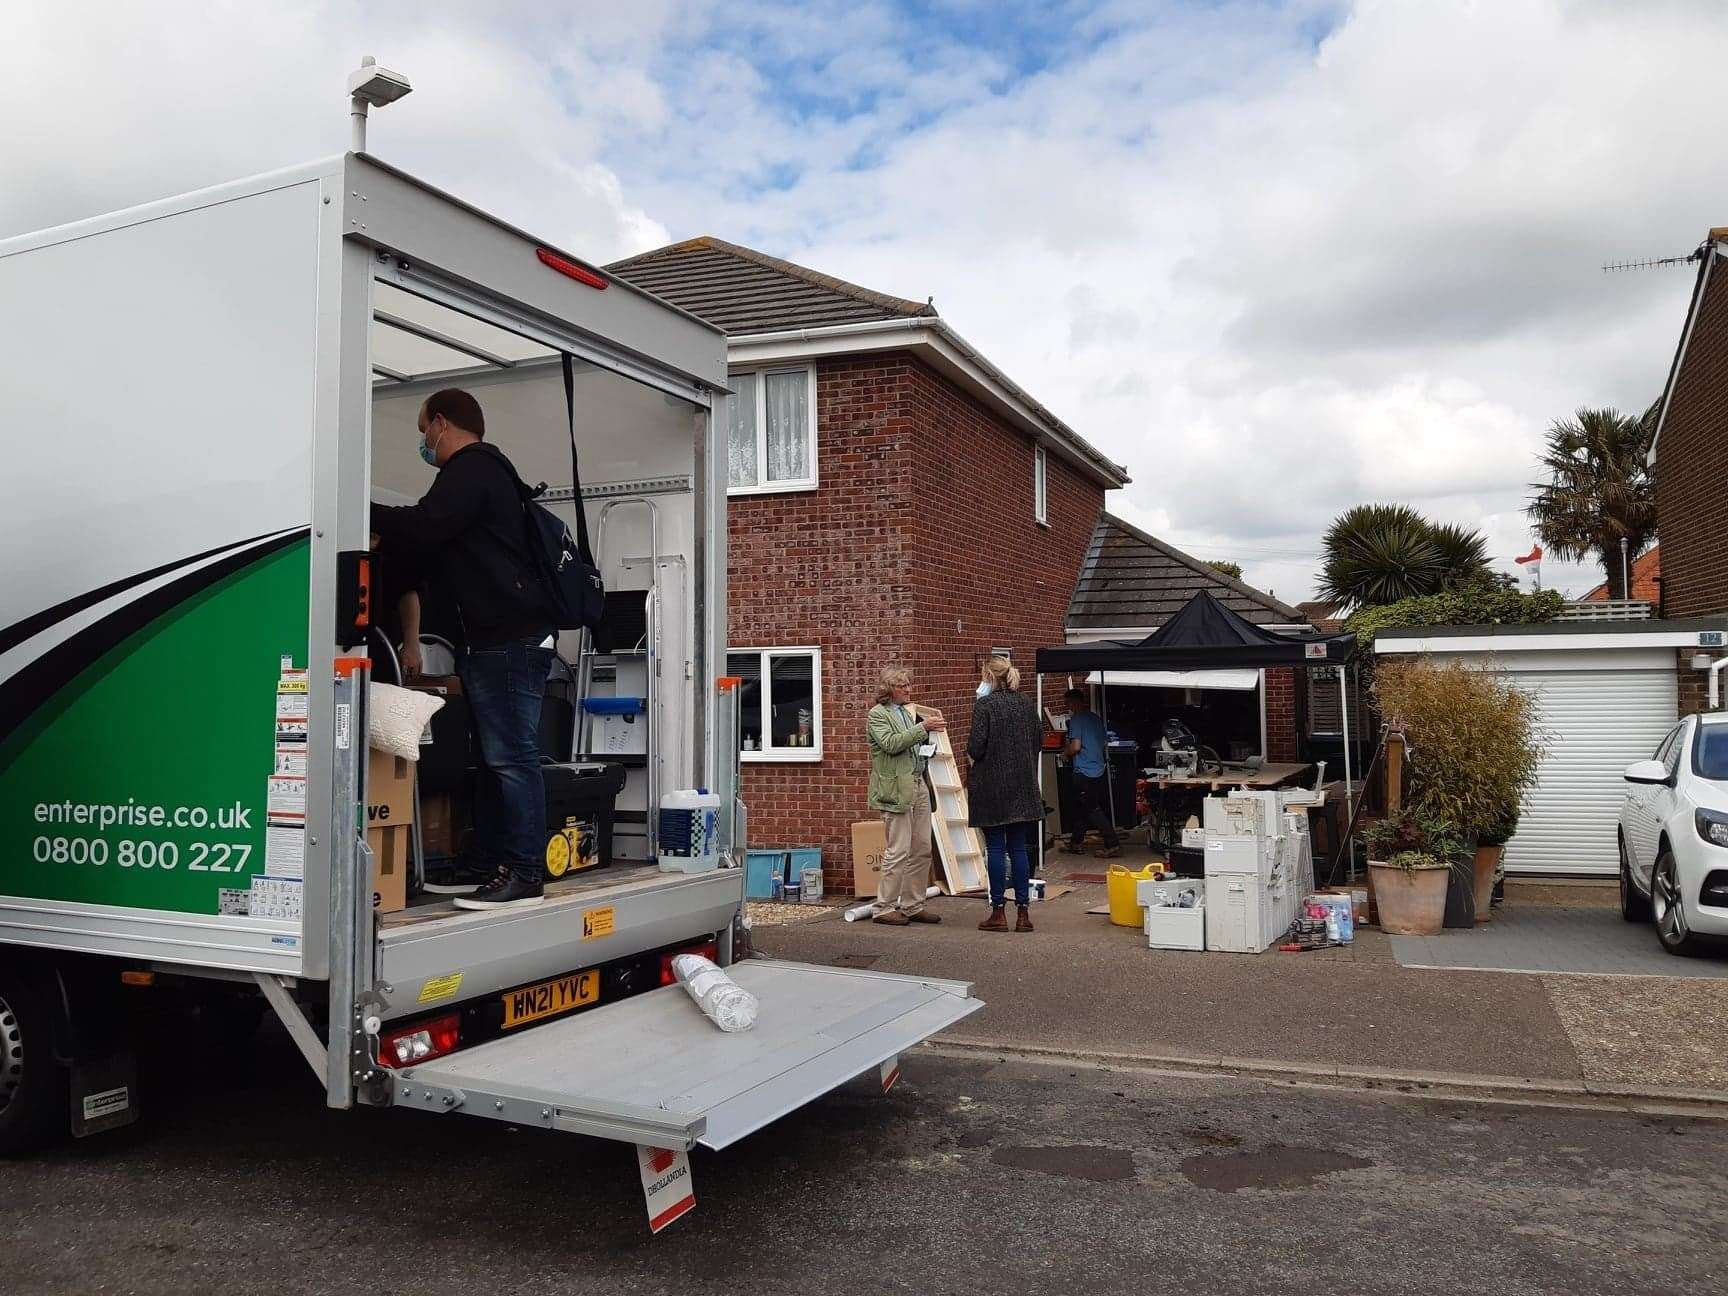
(458, 877)
(503, 892)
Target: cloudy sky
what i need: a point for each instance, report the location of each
(1278, 258)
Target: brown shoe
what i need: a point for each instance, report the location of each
(997, 921)
(1072, 850)
(1108, 852)
(892, 918)
(1024, 921)
(925, 916)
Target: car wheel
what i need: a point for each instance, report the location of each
(1671, 926)
(1634, 904)
(33, 1087)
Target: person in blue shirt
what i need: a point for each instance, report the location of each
(1086, 752)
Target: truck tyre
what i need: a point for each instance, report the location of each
(33, 1086)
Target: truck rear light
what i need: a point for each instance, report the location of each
(565, 266)
(707, 949)
(420, 1042)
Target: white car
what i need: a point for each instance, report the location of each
(1674, 835)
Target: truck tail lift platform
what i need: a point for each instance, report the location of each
(217, 386)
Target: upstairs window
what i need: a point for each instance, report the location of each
(1040, 487)
(771, 432)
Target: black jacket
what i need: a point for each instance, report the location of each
(470, 534)
(1003, 785)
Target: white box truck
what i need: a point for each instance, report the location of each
(202, 395)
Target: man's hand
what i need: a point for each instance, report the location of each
(933, 724)
(412, 662)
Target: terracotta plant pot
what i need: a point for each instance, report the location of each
(1412, 902)
(1487, 861)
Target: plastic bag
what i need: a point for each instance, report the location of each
(725, 1003)
(396, 717)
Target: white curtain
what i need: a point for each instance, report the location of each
(788, 426)
(741, 432)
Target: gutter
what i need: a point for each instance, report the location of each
(942, 331)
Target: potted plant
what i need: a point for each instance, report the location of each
(1490, 847)
(1411, 856)
(1474, 749)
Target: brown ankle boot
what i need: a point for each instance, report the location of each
(997, 921)
(1024, 921)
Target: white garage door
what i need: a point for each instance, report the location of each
(1598, 722)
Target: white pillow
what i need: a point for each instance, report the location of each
(395, 718)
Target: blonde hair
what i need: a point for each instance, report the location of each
(1002, 674)
(892, 677)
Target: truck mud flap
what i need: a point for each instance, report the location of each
(654, 1071)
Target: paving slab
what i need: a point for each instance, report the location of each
(1555, 938)
(1080, 983)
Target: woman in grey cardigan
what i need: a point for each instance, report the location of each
(1002, 794)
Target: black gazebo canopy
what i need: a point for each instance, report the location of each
(1204, 635)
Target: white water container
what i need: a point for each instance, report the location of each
(689, 831)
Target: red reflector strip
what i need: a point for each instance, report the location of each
(671, 1213)
(565, 266)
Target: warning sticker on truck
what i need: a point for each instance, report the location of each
(598, 922)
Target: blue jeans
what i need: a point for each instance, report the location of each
(505, 686)
(1009, 842)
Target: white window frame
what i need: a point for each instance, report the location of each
(779, 487)
(786, 755)
(1040, 485)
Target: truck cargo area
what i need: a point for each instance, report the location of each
(654, 1071)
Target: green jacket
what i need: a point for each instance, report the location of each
(892, 760)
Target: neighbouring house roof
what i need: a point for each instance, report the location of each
(776, 311)
(1323, 616)
(1134, 581)
(1646, 573)
(742, 291)
(1713, 249)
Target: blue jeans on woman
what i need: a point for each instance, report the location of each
(1004, 845)
(504, 686)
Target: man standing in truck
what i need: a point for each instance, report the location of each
(468, 533)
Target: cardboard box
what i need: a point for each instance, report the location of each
(389, 790)
(390, 847)
(438, 824)
(869, 841)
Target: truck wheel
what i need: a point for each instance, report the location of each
(33, 1087)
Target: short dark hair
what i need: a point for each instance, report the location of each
(1076, 695)
(459, 409)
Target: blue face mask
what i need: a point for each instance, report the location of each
(983, 688)
(430, 452)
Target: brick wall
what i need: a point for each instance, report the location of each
(1693, 686)
(1692, 464)
(1283, 715)
(990, 574)
(922, 520)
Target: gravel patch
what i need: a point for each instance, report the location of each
(768, 913)
(1567, 894)
(1651, 1031)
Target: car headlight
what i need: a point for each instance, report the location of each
(1712, 826)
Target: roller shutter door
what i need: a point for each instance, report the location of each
(1598, 722)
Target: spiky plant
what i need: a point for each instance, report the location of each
(1598, 490)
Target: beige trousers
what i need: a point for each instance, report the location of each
(906, 859)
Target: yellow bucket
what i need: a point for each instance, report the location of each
(1120, 881)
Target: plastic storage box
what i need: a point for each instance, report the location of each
(579, 803)
(1168, 927)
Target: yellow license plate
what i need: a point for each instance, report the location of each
(550, 998)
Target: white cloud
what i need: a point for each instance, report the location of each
(1279, 258)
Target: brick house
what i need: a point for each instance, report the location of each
(1133, 582)
(1689, 457)
(1646, 580)
(895, 498)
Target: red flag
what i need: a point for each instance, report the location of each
(1535, 556)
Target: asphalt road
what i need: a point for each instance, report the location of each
(971, 1176)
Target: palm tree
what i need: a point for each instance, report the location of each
(1380, 553)
(1599, 489)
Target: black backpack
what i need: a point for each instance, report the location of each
(571, 589)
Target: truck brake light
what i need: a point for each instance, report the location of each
(565, 266)
(420, 1042)
(707, 949)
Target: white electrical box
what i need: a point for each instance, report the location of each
(1236, 917)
